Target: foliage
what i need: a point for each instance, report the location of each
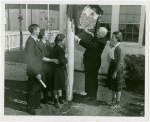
(135, 70)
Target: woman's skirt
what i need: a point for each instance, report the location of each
(50, 77)
(60, 80)
(116, 84)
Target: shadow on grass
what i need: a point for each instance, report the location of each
(77, 98)
(15, 95)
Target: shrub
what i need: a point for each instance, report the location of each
(135, 71)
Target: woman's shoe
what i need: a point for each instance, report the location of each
(31, 112)
(50, 98)
(86, 96)
(38, 107)
(57, 105)
(92, 98)
(61, 101)
(115, 106)
(43, 101)
(111, 103)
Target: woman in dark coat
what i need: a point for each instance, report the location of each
(47, 61)
(60, 69)
(116, 69)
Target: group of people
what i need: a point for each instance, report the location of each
(46, 60)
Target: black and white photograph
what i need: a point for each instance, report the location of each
(75, 59)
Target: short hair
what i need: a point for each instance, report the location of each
(32, 27)
(42, 33)
(103, 31)
(59, 38)
(118, 36)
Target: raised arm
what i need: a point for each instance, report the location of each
(91, 44)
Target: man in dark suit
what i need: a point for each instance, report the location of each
(34, 69)
(92, 61)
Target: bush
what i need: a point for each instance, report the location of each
(135, 71)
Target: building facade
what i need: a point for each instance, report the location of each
(129, 19)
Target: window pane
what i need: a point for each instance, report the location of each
(136, 28)
(122, 27)
(38, 14)
(54, 17)
(124, 37)
(107, 12)
(129, 21)
(12, 14)
(129, 28)
(143, 43)
(128, 37)
(106, 18)
(130, 13)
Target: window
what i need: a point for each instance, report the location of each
(12, 14)
(143, 42)
(106, 18)
(53, 17)
(36, 14)
(129, 22)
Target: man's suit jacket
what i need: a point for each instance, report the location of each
(59, 53)
(119, 57)
(33, 56)
(94, 49)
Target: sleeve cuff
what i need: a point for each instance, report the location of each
(78, 41)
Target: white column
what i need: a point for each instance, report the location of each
(70, 41)
(62, 18)
(141, 30)
(115, 18)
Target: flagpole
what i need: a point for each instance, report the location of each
(70, 40)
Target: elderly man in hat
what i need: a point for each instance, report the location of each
(92, 61)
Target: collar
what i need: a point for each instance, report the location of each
(116, 44)
(36, 39)
(60, 45)
(44, 41)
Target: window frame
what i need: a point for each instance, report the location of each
(47, 16)
(26, 9)
(115, 24)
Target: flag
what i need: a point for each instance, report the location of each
(86, 19)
